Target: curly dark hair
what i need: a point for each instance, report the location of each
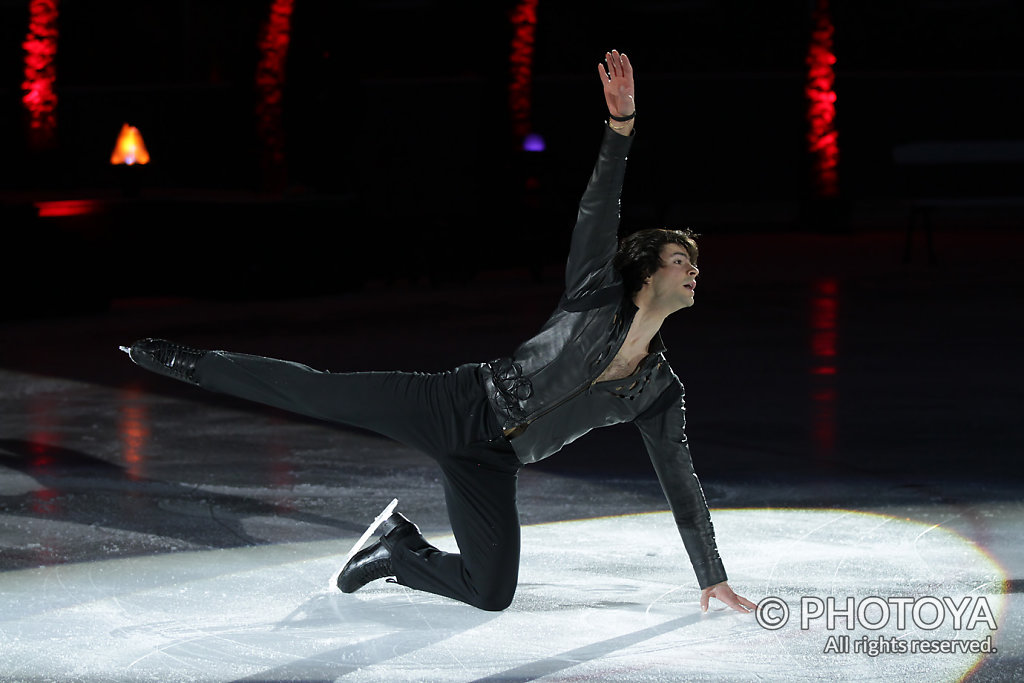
(639, 254)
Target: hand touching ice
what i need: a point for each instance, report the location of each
(723, 592)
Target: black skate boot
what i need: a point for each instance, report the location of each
(374, 561)
(166, 358)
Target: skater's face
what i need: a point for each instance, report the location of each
(674, 282)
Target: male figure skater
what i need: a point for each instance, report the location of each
(598, 360)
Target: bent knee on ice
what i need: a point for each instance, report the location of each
(494, 600)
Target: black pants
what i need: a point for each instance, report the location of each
(445, 415)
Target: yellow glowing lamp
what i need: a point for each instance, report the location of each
(130, 149)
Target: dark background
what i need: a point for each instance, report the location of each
(397, 131)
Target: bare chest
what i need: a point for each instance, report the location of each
(623, 365)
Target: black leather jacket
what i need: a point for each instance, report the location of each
(547, 395)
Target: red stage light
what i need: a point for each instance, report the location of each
(67, 207)
(822, 137)
(270, 77)
(39, 97)
(520, 96)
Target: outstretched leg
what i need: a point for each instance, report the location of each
(435, 412)
(429, 412)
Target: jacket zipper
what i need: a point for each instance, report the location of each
(574, 394)
(571, 396)
(564, 400)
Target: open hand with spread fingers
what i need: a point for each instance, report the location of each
(617, 79)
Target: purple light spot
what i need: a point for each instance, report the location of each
(533, 143)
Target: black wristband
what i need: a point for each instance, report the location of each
(623, 118)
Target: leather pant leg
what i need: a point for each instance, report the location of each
(447, 416)
(480, 483)
(433, 412)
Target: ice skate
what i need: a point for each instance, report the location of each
(374, 562)
(166, 358)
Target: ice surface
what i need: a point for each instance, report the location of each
(600, 599)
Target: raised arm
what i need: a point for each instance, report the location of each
(595, 237)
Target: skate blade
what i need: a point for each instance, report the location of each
(374, 525)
